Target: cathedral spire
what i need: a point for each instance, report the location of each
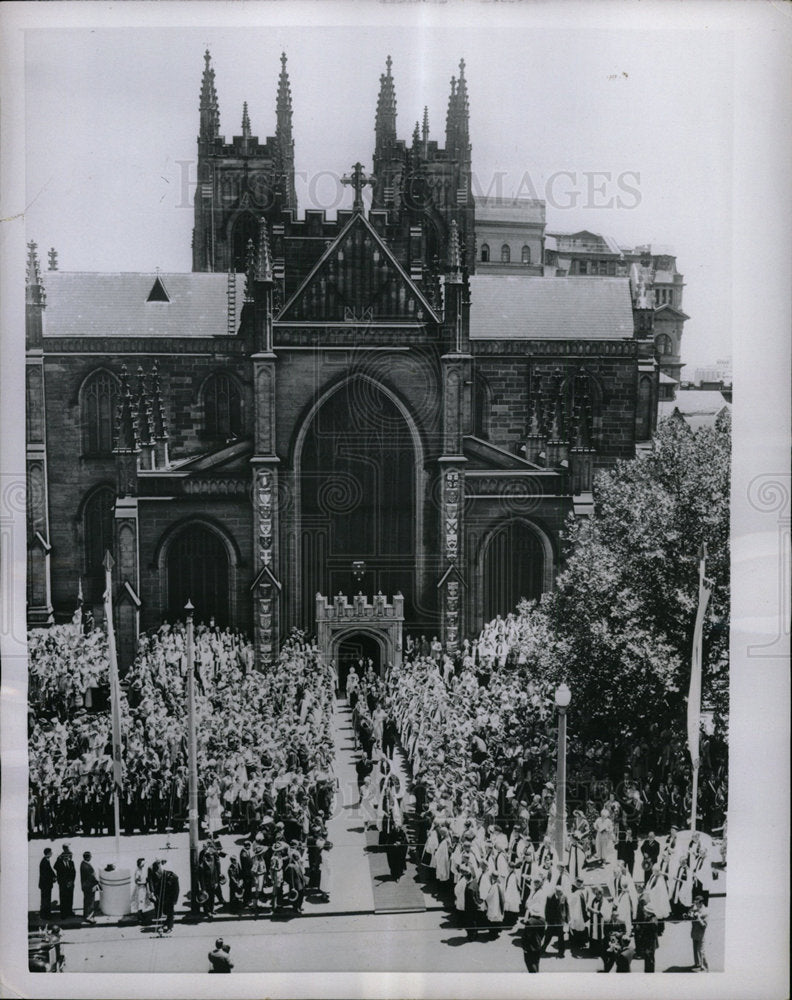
(210, 112)
(284, 139)
(245, 121)
(385, 122)
(425, 129)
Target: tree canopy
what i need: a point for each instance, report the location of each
(618, 627)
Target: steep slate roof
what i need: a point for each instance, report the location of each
(521, 308)
(85, 304)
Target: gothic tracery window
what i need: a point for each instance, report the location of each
(222, 405)
(505, 253)
(485, 253)
(526, 255)
(97, 412)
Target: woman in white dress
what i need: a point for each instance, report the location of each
(214, 810)
(604, 846)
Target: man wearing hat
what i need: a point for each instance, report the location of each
(66, 875)
(698, 928)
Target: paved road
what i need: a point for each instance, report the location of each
(414, 942)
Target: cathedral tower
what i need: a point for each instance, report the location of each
(239, 182)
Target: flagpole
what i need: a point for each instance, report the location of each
(115, 705)
(694, 694)
(192, 761)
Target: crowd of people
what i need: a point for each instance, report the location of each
(265, 736)
(479, 735)
(476, 799)
(265, 763)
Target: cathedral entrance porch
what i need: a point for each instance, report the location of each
(347, 631)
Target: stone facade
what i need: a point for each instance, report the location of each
(325, 405)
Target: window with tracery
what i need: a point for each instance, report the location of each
(98, 406)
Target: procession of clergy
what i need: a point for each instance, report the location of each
(493, 866)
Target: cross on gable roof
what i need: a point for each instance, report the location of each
(358, 280)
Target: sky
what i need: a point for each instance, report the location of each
(625, 132)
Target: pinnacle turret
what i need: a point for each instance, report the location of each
(454, 255)
(210, 111)
(385, 122)
(263, 256)
(284, 140)
(245, 121)
(127, 437)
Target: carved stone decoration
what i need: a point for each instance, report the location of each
(266, 613)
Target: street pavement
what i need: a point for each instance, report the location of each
(342, 935)
(409, 942)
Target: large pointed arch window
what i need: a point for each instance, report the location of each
(97, 413)
(97, 527)
(222, 406)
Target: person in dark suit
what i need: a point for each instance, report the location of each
(556, 915)
(89, 883)
(66, 875)
(646, 932)
(219, 959)
(650, 852)
(246, 872)
(46, 882)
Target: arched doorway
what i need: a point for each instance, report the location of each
(514, 566)
(351, 649)
(198, 570)
(357, 471)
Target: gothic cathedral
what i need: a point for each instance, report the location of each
(323, 407)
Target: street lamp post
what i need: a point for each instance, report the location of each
(562, 698)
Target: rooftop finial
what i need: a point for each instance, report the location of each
(245, 121)
(358, 181)
(53, 259)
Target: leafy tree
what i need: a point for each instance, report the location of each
(619, 626)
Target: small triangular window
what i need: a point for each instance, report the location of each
(158, 293)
